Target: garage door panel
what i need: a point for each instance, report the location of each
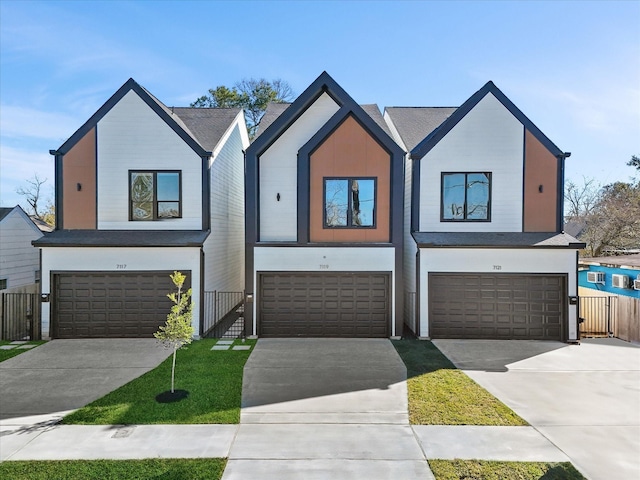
(496, 306)
(108, 304)
(326, 304)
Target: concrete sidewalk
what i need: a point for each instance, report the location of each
(306, 414)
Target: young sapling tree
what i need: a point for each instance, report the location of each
(177, 331)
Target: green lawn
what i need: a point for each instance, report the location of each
(212, 378)
(156, 468)
(491, 470)
(440, 394)
(6, 354)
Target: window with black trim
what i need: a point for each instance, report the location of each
(466, 197)
(155, 195)
(3, 283)
(349, 202)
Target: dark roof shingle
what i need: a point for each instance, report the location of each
(415, 123)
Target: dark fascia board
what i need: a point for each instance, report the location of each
(351, 108)
(323, 84)
(130, 84)
(438, 134)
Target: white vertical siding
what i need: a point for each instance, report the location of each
(224, 248)
(131, 136)
(278, 173)
(19, 260)
(530, 260)
(72, 259)
(488, 139)
(409, 253)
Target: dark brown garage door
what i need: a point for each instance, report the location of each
(500, 306)
(324, 305)
(99, 304)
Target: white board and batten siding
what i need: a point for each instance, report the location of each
(493, 261)
(19, 260)
(488, 139)
(131, 136)
(121, 260)
(326, 259)
(409, 245)
(224, 247)
(278, 167)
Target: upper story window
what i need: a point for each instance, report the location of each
(3, 283)
(349, 202)
(466, 197)
(155, 195)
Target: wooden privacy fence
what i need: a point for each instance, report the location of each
(609, 316)
(20, 316)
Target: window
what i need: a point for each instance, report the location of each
(466, 197)
(3, 283)
(154, 195)
(349, 202)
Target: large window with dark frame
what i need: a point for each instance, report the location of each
(349, 202)
(466, 197)
(154, 195)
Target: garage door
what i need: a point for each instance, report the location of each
(324, 305)
(500, 306)
(99, 304)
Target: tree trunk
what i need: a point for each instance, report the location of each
(173, 368)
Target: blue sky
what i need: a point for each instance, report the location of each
(572, 67)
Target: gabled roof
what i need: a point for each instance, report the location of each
(435, 136)
(6, 211)
(415, 123)
(156, 105)
(208, 125)
(278, 124)
(274, 110)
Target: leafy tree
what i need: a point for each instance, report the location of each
(609, 216)
(634, 162)
(177, 331)
(32, 192)
(253, 95)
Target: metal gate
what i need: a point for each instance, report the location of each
(223, 314)
(598, 314)
(20, 316)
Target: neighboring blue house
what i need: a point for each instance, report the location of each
(614, 270)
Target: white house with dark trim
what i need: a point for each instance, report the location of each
(485, 255)
(143, 190)
(324, 183)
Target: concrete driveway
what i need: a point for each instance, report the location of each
(43, 384)
(584, 398)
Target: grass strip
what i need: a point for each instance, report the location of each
(154, 468)
(494, 470)
(212, 378)
(440, 394)
(7, 354)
